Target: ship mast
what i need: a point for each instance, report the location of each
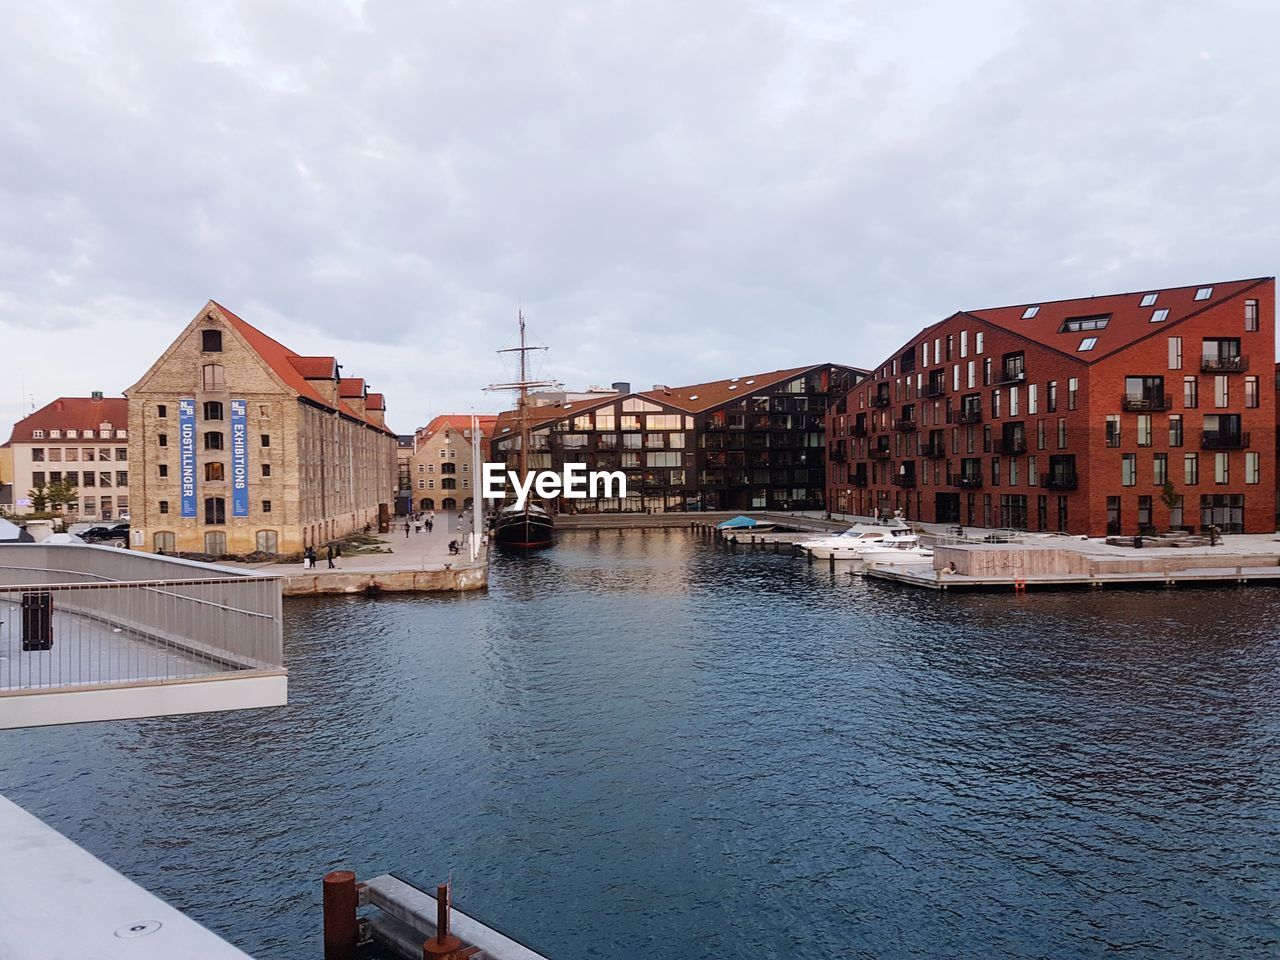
(521, 387)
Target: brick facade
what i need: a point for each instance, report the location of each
(318, 464)
(974, 422)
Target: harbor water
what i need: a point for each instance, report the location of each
(639, 744)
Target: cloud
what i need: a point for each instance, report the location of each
(673, 192)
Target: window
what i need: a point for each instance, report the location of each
(1144, 429)
(55, 434)
(266, 469)
(1175, 430)
(162, 439)
(1221, 468)
(1159, 316)
(1062, 433)
(1250, 391)
(37, 434)
(1251, 316)
(1190, 392)
(88, 454)
(1051, 397)
(1085, 324)
(213, 440)
(266, 506)
(212, 376)
(1030, 312)
(164, 470)
(1129, 470)
(1221, 397)
(265, 440)
(215, 510)
(1033, 406)
(164, 541)
(37, 479)
(122, 478)
(1160, 469)
(964, 344)
(268, 541)
(89, 479)
(1088, 343)
(211, 341)
(1191, 469)
(37, 454)
(448, 483)
(1149, 299)
(164, 506)
(215, 542)
(1113, 430)
(1204, 293)
(1175, 353)
(162, 411)
(212, 410)
(1073, 392)
(214, 471)
(1252, 467)
(977, 343)
(122, 453)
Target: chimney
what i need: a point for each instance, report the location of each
(96, 396)
(622, 386)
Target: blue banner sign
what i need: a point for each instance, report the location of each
(239, 460)
(187, 455)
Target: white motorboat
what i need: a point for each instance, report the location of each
(892, 543)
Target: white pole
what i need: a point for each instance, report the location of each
(476, 487)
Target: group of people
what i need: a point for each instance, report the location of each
(421, 522)
(332, 551)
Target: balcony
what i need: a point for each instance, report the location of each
(858, 431)
(1009, 445)
(879, 401)
(935, 390)
(903, 480)
(933, 450)
(905, 424)
(1010, 376)
(1060, 481)
(837, 456)
(971, 415)
(1220, 364)
(858, 479)
(1220, 440)
(1146, 404)
(967, 481)
(878, 453)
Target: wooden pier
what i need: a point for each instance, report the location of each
(923, 575)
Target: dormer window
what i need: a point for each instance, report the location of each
(1084, 324)
(55, 434)
(1160, 316)
(211, 341)
(71, 434)
(37, 434)
(1030, 312)
(1204, 293)
(1149, 299)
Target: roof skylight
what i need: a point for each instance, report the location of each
(1088, 343)
(693, 396)
(1148, 299)
(1159, 316)
(1204, 293)
(1030, 312)
(749, 382)
(733, 386)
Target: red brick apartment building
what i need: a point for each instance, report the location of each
(1103, 415)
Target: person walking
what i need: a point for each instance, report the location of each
(406, 529)
(309, 558)
(430, 524)
(329, 555)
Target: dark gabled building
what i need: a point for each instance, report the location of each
(754, 442)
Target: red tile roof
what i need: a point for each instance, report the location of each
(352, 387)
(295, 370)
(375, 401)
(1128, 321)
(704, 396)
(73, 413)
(457, 422)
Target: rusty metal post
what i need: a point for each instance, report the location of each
(444, 945)
(340, 925)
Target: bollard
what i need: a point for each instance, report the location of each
(444, 945)
(832, 561)
(340, 927)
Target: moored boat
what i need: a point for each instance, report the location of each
(891, 543)
(525, 528)
(745, 525)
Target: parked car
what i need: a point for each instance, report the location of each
(117, 534)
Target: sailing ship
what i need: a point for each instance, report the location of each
(527, 527)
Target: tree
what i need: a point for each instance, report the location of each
(1170, 498)
(62, 494)
(39, 498)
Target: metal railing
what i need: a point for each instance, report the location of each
(905, 424)
(969, 416)
(1154, 402)
(1224, 440)
(1223, 364)
(76, 616)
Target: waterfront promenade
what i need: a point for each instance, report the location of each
(417, 563)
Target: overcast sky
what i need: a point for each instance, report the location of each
(674, 191)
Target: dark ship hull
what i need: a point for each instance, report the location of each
(524, 529)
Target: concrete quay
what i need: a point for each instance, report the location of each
(418, 563)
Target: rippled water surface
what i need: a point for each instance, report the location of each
(636, 745)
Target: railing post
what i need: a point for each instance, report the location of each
(444, 945)
(340, 925)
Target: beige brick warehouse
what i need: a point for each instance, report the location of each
(237, 444)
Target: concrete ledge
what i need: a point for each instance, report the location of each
(46, 706)
(455, 579)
